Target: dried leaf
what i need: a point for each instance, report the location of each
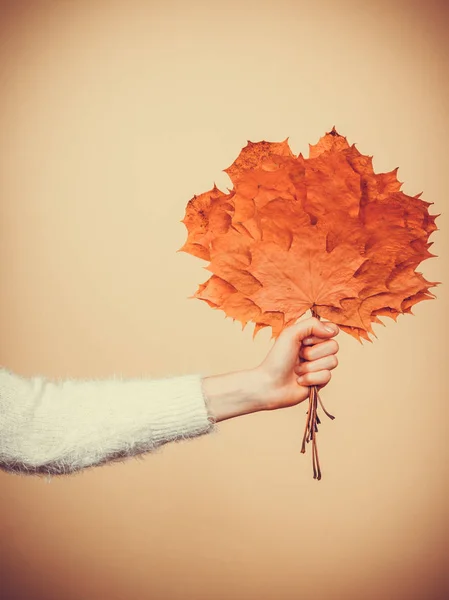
(324, 233)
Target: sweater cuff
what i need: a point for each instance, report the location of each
(181, 410)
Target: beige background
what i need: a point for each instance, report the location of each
(112, 115)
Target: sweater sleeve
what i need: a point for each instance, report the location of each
(60, 427)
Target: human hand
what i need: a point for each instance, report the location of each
(304, 351)
(303, 355)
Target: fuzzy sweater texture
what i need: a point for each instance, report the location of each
(58, 427)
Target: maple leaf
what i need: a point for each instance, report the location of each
(207, 216)
(324, 233)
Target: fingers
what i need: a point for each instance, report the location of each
(319, 350)
(313, 339)
(319, 359)
(311, 327)
(321, 364)
(320, 378)
(289, 341)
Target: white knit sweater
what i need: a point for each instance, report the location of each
(60, 427)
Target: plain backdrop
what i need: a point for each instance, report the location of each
(112, 116)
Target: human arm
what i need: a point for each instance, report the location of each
(60, 427)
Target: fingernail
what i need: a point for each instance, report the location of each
(330, 329)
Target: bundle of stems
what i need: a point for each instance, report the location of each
(312, 423)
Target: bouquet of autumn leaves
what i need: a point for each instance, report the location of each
(324, 233)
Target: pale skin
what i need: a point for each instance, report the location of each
(303, 355)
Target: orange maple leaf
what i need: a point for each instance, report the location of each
(324, 233)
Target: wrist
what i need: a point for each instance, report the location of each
(232, 394)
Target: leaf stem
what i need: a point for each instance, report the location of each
(313, 421)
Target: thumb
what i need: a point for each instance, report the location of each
(289, 341)
(311, 327)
